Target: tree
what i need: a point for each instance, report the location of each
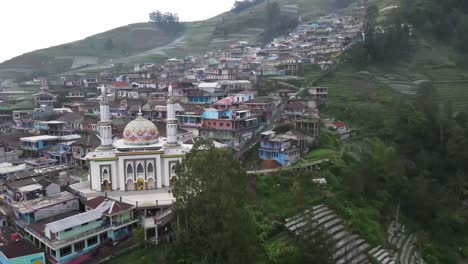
(138, 237)
(214, 224)
(168, 22)
(277, 24)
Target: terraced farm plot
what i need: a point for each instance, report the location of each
(349, 85)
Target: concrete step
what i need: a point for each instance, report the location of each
(400, 241)
(348, 258)
(360, 259)
(340, 235)
(325, 219)
(335, 229)
(332, 223)
(349, 247)
(345, 241)
(374, 250)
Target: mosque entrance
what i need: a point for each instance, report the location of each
(140, 185)
(105, 186)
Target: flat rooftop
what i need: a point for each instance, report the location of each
(32, 205)
(148, 198)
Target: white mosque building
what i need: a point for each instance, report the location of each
(140, 166)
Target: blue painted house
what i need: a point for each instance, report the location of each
(198, 97)
(33, 145)
(74, 234)
(286, 149)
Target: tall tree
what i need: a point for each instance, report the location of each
(214, 224)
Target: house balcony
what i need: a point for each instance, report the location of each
(159, 219)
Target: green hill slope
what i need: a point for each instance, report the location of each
(92, 50)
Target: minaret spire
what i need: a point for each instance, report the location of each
(171, 126)
(105, 128)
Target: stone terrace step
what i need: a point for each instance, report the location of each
(346, 240)
(348, 258)
(348, 248)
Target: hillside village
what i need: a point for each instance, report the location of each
(93, 156)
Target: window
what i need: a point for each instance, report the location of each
(79, 246)
(228, 125)
(221, 124)
(68, 229)
(209, 123)
(129, 170)
(65, 251)
(150, 170)
(92, 241)
(140, 170)
(105, 173)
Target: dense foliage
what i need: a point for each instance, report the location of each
(168, 22)
(276, 23)
(384, 43)
(445, 20)
(421, 165)
(213, 221)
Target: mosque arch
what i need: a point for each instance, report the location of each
(151, 184)
(140, 171)
(106, 186)
(150, 170)
(105, 174)
(130, 186)
(130, 171)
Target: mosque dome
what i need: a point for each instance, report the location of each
(140, 132)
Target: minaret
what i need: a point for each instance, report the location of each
(171, 126)
(105, 129)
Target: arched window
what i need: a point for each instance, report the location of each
(105, 174)
(150, 170)
(129, 171)
(140, 171)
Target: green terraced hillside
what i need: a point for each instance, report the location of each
(430, 62)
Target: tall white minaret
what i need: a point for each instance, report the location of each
(171, 126)
(105, 128)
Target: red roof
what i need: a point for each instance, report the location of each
(114, 209)
(121, 84)
(296, 105)
(339, 124)
(225, 101)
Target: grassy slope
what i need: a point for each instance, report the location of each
(127, 40)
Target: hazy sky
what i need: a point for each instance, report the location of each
(27, 25)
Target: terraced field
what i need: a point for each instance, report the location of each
(344, 84)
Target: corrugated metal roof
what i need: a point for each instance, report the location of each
(78, 219)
